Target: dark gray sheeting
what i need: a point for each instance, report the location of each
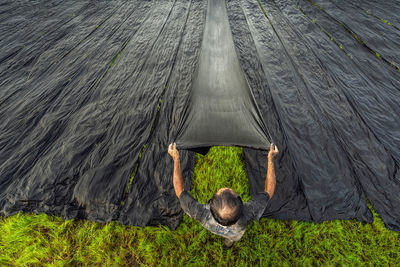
(308, 135)
(221, 109)
(289, 201)
(20, 31)
(387, 10)
(380, 37)
(65, 155)
(374, 98)
(154, 174)
(88, 87)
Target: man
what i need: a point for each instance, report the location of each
(225, 214)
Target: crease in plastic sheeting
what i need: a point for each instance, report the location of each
(221, 109)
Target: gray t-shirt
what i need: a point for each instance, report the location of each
(252, 210)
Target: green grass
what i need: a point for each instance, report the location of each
(46, 240)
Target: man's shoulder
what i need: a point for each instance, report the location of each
(185, 195)
(261, 196)
(254, 208)
(192, 207)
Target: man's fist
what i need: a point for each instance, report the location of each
(273, 151)
(173, 152)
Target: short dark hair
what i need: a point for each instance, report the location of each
(227, 198)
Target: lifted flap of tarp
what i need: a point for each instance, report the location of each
(221, 109)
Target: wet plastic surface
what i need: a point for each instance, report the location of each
(91, 94)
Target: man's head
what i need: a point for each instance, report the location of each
(226, 206)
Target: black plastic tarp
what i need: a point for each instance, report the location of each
(92, 93)
(221, 109)
(333, 125)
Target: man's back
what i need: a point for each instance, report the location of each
(252, 210)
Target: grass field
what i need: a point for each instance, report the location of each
(46, 240)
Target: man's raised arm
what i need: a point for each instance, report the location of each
(177, 180)
(270, 181)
